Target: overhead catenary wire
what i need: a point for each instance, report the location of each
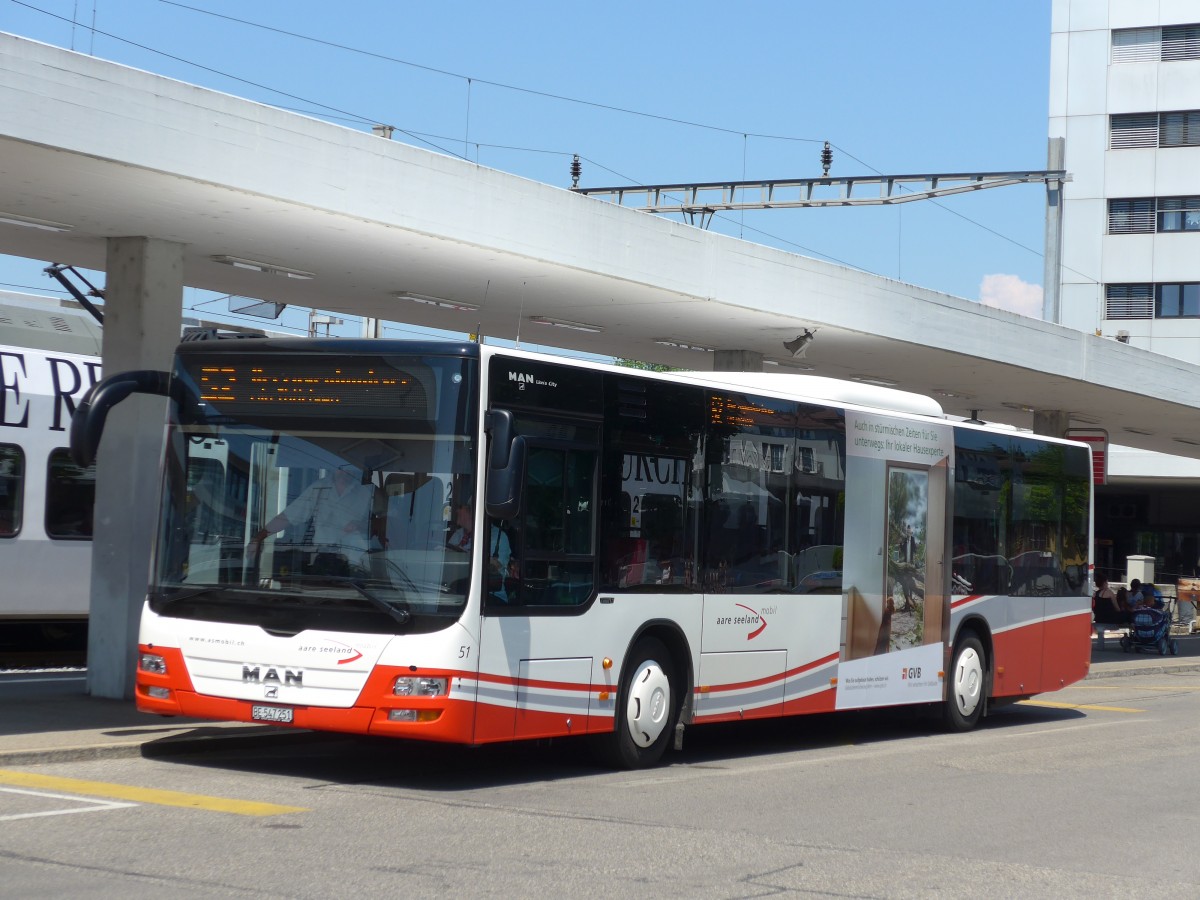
(423, 138)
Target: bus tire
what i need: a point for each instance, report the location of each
(647, 706)
(966, 691)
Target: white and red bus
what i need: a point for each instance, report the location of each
(527, 547)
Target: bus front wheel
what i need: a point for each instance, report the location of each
(646, 708)
(966, 693)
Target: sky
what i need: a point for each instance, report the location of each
(647, 93)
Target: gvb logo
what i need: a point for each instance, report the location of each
(911, 672)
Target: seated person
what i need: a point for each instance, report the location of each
(463, 536)
(333, 515)
(1149, 597)
(500, 564)
(1123, 603)
(1107, 609)
(504, 580)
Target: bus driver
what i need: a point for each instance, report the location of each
(334, 513)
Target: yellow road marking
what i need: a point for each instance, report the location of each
(1052, 705)
(145, 795)
(1127, 688)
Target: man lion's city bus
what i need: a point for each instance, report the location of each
(522, 546)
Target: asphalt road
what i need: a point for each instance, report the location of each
(1088, 797)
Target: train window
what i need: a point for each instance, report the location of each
(70, 497)
(12, 480)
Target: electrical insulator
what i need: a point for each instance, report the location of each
(576, 170)
(826, 158)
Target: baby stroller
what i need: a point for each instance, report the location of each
(1150, 629)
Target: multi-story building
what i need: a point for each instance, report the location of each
(1125, 100)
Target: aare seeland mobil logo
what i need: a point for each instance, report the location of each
(753, 617)
(347, 653)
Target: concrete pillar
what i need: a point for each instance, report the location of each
(1052, 273)
(737, 361)
(1051, 422)
(143, 303)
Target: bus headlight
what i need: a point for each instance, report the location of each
(155, 665)
(408, 686)
(414, 715)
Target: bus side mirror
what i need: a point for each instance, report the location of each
(87, 423)
(506, 466)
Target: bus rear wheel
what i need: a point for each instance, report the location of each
(966, 693)
(646, 708)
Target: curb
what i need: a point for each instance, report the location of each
(84, 753)
(160, 747)
(1148, 669)
(1153, 664)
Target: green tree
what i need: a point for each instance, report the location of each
(644, 366)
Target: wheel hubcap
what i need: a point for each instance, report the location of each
(968, 681)
(649, 704)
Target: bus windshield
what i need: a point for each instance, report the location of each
(302, 494)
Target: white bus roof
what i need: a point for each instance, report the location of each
(814, 388)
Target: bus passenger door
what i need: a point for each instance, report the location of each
(537, 579)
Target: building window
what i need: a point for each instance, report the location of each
(1181, 42)
(1169, 129)
(12, 479)
(1147, 215)
(1179, 129)
(1152, 301)
(1129, 301)
(1131, 216)
(1133, 130)
(1179, 214)
(1178, 301)
(1166, 44)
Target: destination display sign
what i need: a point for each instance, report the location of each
(725, 409)
(282, 385)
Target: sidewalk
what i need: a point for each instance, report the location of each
(48, 721)
(43, 720)
(1113, 661)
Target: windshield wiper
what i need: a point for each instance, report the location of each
(399, 613)
(191, 594)
(394, 567)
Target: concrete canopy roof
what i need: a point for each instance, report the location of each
(114, 152)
